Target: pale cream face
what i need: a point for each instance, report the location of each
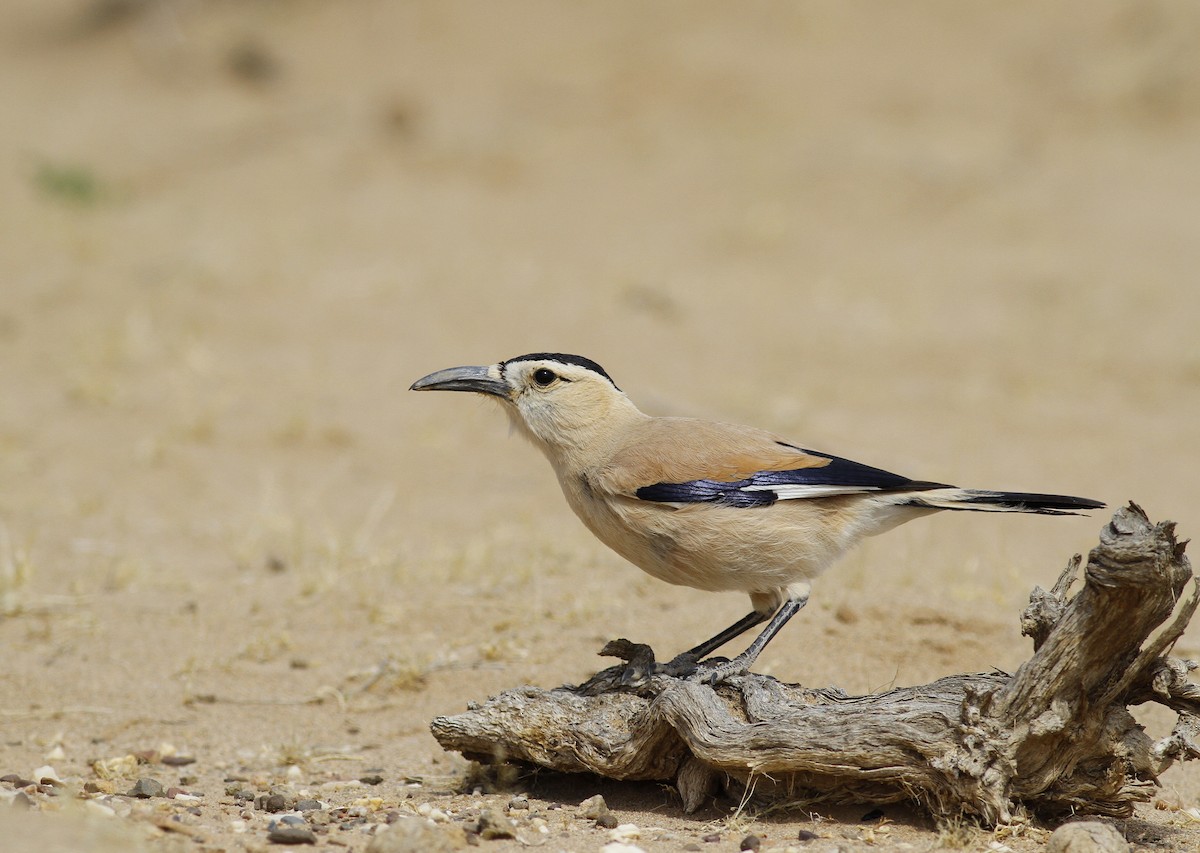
(559, 406)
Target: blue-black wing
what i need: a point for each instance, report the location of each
(839, 477)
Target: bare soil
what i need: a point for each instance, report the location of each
(955, 241)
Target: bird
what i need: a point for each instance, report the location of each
(709, 505)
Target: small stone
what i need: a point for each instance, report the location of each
(625, 833)
(607, 821)
(413, 835)
(98, 808)
(751, 842)
(593, 807)
(178, 760)
(711, 838)
(46, 775)
(15, 780)
(371, 779)
(307, 805)
(22, 801)
(1086, 836)
(145, 788)
(492, 825)
(292, 820)
(275, 803)
(807, 835)
(518, 803)
(291, 835)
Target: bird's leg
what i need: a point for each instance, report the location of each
(742, 663)
(684, 663)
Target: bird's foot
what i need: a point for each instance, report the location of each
(714, 671)
(683, 665)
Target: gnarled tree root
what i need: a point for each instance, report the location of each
(1055, 736)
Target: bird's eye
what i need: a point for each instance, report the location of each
(544, 376)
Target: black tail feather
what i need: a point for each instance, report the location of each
(1029, 502)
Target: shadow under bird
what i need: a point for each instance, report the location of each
(709, 505)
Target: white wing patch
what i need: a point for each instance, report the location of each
(800, 491)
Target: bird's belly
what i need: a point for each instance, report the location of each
(716, 548)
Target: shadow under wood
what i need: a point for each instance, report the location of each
(1054, 737)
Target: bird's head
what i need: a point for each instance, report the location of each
(561, 402)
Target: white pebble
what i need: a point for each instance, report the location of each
(625, 832)
(56, 754)
(424, 809)
(620, 847)
(46, 775)
(238, 826)
(98, 808)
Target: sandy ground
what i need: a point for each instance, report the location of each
(956, 241)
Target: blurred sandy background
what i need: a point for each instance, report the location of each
(952, 240)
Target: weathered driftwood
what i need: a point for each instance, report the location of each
(1057, 735)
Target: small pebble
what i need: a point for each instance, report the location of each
(1086, 836)
(291, 835)
(22, 801)
(372, 779)
(98, 808)
(607, 821)
(307, 805)
(806, 835)
(145, 788)
(625, 833)
(711, 838)
(492, 825)
(593, 807)
(178, 760)
(751, 842)
(275, 803)
(292, 820)
(518, 803)
(46, 776)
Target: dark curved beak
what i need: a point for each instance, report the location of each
(478, 379)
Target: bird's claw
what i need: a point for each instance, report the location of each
(683, 665)
(715, 671)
